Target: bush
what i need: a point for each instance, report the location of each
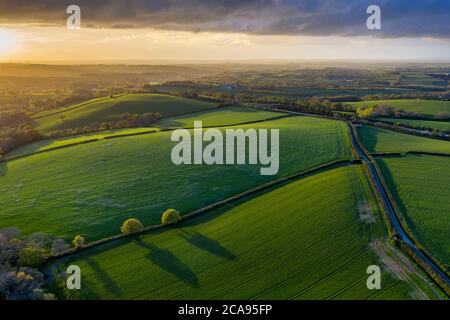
(58, 246)
(131, 226)
(19, 279)
(31, 257)
(170, 216)
(78, 241)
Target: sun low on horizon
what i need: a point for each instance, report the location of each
(7, 41)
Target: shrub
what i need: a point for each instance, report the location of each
(78, 241)
(58, 246)
(131, 226)
(170, 216)
(31, 257)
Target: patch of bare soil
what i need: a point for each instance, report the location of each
(366, 213)
(401, 268)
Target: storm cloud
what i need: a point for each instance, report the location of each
(400, 18)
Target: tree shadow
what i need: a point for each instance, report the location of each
(167, 261)
(207, 244)
(369, 136)
(109, 283)
(30, 148)
(3, 169)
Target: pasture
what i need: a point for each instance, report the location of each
(219, 117)
(92, 188)
(380, 140)
(49, 144)
(110, 109)
(421, 187)
(305, 240)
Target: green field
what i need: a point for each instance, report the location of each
(440, 125)
(49, 144)
(428, 107)
(92, 188)
(305, 240)
(379, 140)
(420, 185)
(219, 117)
(110, 109)
(420, 79)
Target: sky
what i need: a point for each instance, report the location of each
(116, 30)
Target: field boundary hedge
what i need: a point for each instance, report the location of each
(401, 129)
(402, 154)
(266, 186)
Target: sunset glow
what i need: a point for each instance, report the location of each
(7, 41)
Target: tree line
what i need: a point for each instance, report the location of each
(16, 128)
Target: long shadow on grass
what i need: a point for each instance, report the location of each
(207, 244)
(167, 261)
(3, 169)
(369, 137)
(104, 277)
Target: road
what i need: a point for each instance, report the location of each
(389, 208)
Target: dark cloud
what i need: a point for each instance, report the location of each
(400, 18)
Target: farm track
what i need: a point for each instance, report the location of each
(391, 213)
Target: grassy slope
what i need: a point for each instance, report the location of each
(101, 110)
(304, 240)
(49, 144)
(429, 107)
(442, 125)
(219, 117)
(92, 188)
(421, 187)
(379, 140)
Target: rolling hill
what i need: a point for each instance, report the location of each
(109, 109)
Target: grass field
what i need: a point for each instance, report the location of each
(219, 117)
(92, 188)
(49, 144)
(109, 109)
(379, 140)
(441, 125)
(305, 240)
(421, 187)
(428, 107)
